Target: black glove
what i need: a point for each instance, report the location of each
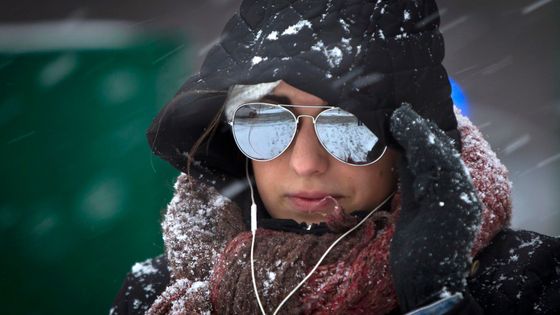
(440, 213)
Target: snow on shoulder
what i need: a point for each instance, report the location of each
(143, 268)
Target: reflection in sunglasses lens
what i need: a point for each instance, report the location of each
(346, 137)
(263, 131)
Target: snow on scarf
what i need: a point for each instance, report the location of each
(208, 251)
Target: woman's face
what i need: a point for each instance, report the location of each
(295, 182)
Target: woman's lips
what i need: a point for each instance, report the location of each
(312, 201)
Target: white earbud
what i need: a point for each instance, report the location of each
(253, 218)
(253, 204)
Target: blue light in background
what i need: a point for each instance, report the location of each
(459, 97)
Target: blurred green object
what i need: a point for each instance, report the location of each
(82, 194)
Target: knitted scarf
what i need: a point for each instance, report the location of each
(208, 249)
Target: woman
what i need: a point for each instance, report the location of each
(372, 195)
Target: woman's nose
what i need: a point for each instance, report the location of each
(307, 155)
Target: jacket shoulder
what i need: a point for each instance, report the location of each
(142, 285)
(518, 273)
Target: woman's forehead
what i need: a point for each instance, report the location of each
(292, 95)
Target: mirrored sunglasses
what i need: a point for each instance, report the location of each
(264, 131)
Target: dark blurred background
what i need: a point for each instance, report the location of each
(80, 82)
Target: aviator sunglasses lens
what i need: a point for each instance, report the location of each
(263, 131)
(345, 137)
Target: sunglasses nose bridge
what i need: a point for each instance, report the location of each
(306, 116)
(313, 119)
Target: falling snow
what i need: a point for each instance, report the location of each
(517, 144)
(534, 6)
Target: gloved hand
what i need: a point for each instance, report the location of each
(440, 213)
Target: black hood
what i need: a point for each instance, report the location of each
(367, 57)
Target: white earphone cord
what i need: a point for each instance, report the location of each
(254, 230)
